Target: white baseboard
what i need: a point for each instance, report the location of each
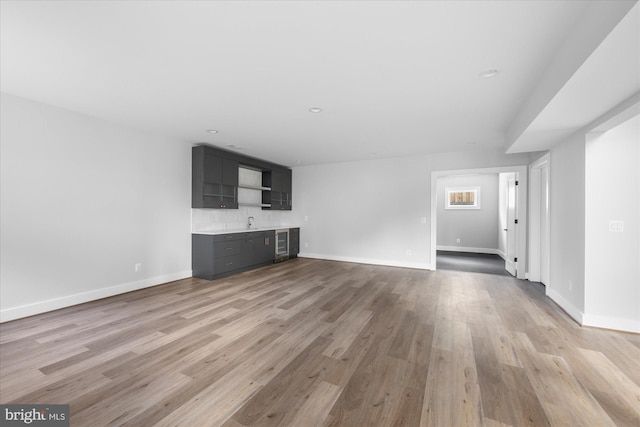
(417, 265)
(569, 308)
(584, 319)
(491, 251)
(608, 322)
(13, 313)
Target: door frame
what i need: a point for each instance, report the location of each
(521, 209)
(512, 230)
(535, 219)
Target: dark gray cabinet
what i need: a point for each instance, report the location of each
(280, 182)
(264, 251)
(258, 248)
(214, 179)
(294, 242)
(220, 255)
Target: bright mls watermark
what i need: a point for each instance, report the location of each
(34, 415)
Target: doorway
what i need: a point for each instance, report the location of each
(519, 238)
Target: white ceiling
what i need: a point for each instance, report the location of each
(395, 78)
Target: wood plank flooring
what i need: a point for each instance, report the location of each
(322, 343)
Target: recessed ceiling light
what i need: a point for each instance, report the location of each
(315, 110)
(234, 146)
(487, 74)
(298, 161)
(212, 131)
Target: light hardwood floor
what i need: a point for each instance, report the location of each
(321, 343)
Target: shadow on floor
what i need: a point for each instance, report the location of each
(471, 262)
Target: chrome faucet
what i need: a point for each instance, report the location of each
(250, 222)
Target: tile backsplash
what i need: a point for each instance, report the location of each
(236, 219)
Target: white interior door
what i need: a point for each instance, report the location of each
(510, 262)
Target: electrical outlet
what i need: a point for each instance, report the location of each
(306, 217)
(423, 220)
(408, 251)
(137, 267)
(457, 240)
(306, 245)
(616, 226)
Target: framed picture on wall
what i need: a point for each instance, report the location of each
(462, 198)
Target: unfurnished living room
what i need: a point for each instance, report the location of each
(320, 213)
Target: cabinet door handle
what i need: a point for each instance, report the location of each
(228, 249)
(229, 263)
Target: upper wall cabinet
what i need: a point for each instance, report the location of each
(279, 180)
(214, 179)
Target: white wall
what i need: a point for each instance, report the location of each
(567, 207)
(594, 178)
(612, 259)
(371, 211)
(477, 229)
(82, 201)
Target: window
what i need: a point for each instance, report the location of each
(462, 198)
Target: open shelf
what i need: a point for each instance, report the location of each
(253, 187)
(255, 205)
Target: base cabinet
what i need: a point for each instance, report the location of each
(214, 256)
(294, 242)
